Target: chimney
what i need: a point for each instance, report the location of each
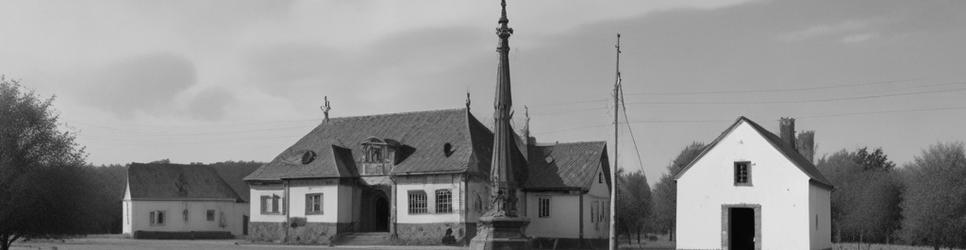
(787, 128)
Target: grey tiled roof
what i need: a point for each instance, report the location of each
(177, 182)
(337, 143)
(567, 165)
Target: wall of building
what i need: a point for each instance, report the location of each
(563, 221)
(429, 184)
(597, 219)
(255, 205)
(228, 216)
(126, 223)
(778, 186)
(820, 210)
(332, 203)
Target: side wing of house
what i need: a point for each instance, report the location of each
(821, 212)
(596, 218)
(427, 206)
(770, 185)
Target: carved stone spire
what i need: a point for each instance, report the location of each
(500, 227)
(501, 169)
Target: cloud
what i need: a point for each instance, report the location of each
(143, 83)
(211, 103)
(860, 37)
(826, 30)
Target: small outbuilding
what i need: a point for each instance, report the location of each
(167, 201)
(751, 189)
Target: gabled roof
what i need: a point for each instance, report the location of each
(566, 166)
(234, 175)
(178, 182)
(422, 135)
(790, 153)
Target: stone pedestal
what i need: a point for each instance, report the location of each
(499, 233)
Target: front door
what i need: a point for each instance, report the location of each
(244, 224)
(741, 228)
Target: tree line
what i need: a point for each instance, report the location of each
(922, 202)
(47, 189)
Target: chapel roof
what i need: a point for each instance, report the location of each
(789, 152)
(422, 137)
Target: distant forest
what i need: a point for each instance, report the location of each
(106, 184)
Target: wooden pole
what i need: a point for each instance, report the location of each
(613, 172)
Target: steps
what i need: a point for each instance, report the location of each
(364, 239)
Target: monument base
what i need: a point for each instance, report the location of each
(499, 233)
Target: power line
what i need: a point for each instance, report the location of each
(630, 132)
(771, 90)
(836, 99)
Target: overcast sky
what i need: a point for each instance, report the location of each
(207, 81)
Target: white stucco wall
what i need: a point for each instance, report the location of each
(332, 203)
(779, 187)
(429, 184)
(174, 220)
(600, 193)
(255, 206)
(126, 211)
(821, 221)
(563, 221)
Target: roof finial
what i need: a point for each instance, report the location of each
(467, 101)
(326, 107)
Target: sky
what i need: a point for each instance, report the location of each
(209, 81)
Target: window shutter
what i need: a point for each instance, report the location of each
(308, 204)
(152, 217)
(284, 205)
(264, 204)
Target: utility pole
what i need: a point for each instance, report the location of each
(613, 172)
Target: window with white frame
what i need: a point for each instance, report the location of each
(156, 218)
(444, 201)
(272, 204)
(313, 203)
(417, 202)
(543, 206)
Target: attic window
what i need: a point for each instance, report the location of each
(742, 173)
(308, 156)
(447, 149)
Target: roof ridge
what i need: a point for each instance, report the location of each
(397, 113)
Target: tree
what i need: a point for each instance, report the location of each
(665, 191)
(38, 168)
(933, 207)
(634, 203)
(865, 203)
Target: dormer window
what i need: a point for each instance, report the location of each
(374, 150)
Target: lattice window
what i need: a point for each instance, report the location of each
(417, 202)
(742, 173)
(543, 206)
(444, 201)
(313, 203)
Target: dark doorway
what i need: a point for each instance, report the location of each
(741, 228)
(374, 211)
(382, 214)
(244, 224)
